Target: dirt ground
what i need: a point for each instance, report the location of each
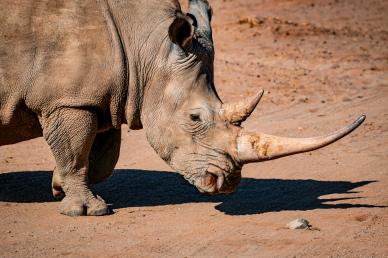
(321, 64)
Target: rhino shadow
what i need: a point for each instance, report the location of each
(141, 188)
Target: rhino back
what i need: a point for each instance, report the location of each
(59, 53)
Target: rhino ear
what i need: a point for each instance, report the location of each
(181, 31)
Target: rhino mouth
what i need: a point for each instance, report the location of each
(217, 176)
(219, 183)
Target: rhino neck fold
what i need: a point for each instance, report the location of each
(141, 28)
(131, 111)
(120, 60)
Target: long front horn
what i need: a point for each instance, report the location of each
(236, 112)
(254, 147)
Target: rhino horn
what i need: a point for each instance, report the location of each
(237, 112)
(254, 147)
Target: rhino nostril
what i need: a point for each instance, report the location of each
(209, 179)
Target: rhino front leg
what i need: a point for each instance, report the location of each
(102, 160)
(70, 134)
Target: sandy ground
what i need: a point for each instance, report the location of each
(321, 63)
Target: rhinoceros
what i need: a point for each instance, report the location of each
(75, 71)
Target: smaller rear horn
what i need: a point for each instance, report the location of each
(237, 112)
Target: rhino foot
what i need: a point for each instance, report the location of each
(97, 207)
(73, 207)
(78, 200)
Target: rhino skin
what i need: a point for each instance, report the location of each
(75, 71)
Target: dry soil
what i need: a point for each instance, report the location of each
(321, 64)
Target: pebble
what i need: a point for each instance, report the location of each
(299, 224)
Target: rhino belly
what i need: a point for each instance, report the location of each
(23, 126)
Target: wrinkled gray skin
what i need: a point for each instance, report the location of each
(75, 71)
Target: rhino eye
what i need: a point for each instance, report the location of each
(195, 117)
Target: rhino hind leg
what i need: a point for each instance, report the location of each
(56, 184)
(70, 134)
(104, 155)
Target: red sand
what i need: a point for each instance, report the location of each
(321, 63)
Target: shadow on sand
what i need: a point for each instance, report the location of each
(140, 188)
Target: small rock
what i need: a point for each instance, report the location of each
(299, 224)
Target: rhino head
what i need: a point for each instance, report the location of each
(192, 129)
